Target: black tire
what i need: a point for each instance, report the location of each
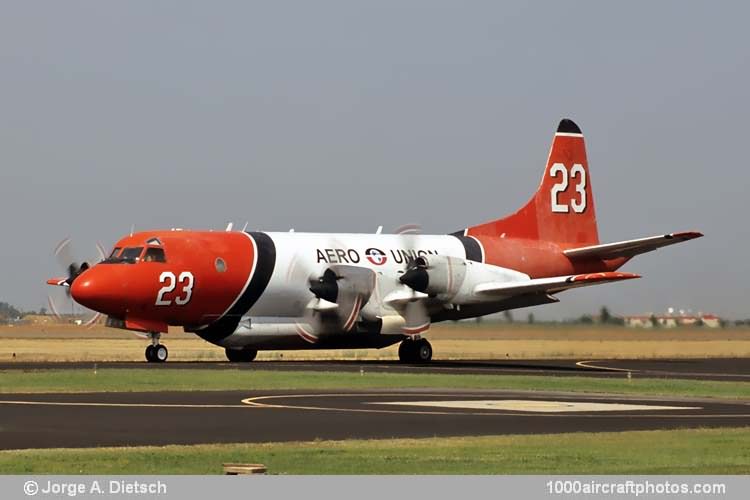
(240, 355)
(160, 353)
(422, 351)
(150, 353)
(407, 351)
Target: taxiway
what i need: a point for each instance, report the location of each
(160, 418)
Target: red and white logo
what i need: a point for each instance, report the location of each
(375, 256)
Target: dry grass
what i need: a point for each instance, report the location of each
(565, 332)
(484, 341)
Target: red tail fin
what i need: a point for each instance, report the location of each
(562, 210)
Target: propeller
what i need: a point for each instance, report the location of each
(64, 254)
(415, 280)
(326, 286)
(408, 229)
(339, 292)
(65, 258)
(416, 276)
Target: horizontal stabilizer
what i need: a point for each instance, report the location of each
(550, 285)
(58, 282)
(629, 248)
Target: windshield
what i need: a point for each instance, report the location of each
(129, 255)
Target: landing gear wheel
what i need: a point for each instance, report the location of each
(405, 351)
(415, 351)
(157, 353)
(240, 355)
(422, 351)
(160, 353)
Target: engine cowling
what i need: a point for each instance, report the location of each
(340, 293)
(453, 279)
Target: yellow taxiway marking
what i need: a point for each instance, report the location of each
(260, 402)
(266, 402)
(118, 405)
(256, 402)
(537, 406)
(587, 364)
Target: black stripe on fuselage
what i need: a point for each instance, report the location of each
(265, 262)
(471, 247)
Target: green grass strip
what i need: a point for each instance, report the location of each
(698, 451)
(137, 380)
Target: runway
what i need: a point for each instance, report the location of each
(737, 369)
(160, 418)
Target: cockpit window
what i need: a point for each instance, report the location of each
(131, 254)
(154, 255)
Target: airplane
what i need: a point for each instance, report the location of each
(248, 290)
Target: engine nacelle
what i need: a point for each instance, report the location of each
(452, 279)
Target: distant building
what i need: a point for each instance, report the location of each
(672, 321)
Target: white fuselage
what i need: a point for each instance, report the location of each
(276, 320)
(301, 255)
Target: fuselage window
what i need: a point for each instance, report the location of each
(221, 266)
(115, 252)
(154, 255)
(131, 254)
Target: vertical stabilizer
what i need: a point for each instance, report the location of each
(562, 209)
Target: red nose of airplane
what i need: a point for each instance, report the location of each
(96, 290)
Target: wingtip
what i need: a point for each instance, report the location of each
(604, 276)
(568, 126)
(624, 276)
(686, 235)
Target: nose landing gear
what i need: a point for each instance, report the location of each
(415, 351)
(156, 352)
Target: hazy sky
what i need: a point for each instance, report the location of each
(342, 116)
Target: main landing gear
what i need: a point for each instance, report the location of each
(415, 351)
(240, 355)
(156, 352)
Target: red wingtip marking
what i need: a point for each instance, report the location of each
(57, 282)
(605, 276)
(687, 235)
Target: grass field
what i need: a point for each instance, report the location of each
(700, 451)
(26, 343)
(138, 379)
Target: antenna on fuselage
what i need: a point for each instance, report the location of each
(379, 230)
(244, 228)
(132, 229)
(230, 226)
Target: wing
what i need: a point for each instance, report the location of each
(629, 248)
(550, 285)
